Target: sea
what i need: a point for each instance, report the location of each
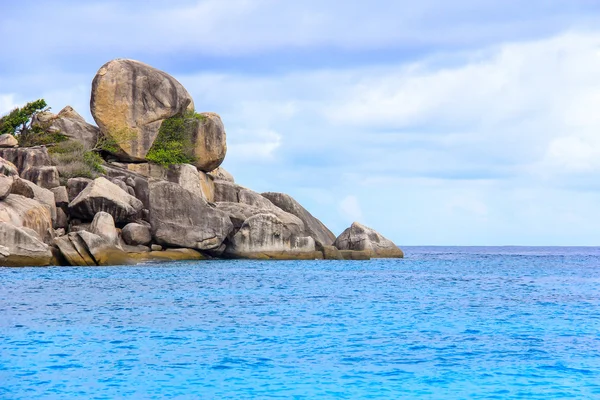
(443, 323)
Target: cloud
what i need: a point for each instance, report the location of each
(7, 103)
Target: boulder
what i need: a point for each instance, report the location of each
(62, 220)
(69, 123)
(102, 250)
(180, 218)
(22, 247)
(26, 157)
(103, 195)
(27, 213)
(44, 196)
(70, 252)
(186, 176)
(8, 140)
(226, 191)
(22, 188)
(136, 234)
(264, 236)
(6, 183)
(240, 212)
(330, 253)
(7, 168)
(208, 140)
(130, 100)
(61, 196)
(45, 177)
(360, 238)
(76, 186)
(313, 227)
(355, 254)
(103, 225)
(220, 174)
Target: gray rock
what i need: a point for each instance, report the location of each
(8, 140)
(186, 176)
(129, 102)
(62, 220)
(103, 195)
(103, 251)
(26, 157)
(7, 168)
(6, 183)
(61, 196)
(22, 247)
(180, 218)
(103, 225)
(209, 141)
(313, 227)
(266, 236)
(360, 238)
(70, 252)
(330, 253)
(76, 186)
(69, 123)
(27, 213)
(240, 212)
(355, 254)
(220, 174)
(136, 234)
(226, 191)
(156, 247)
(44, 196)
(45, 177)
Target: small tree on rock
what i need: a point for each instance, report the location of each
(20, 122)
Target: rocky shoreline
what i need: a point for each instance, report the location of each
(135, 206)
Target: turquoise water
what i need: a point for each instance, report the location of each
(443, 323)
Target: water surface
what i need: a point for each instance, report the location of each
(495, 322)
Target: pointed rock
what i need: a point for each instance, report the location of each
(359, 237)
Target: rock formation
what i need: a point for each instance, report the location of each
(167, 210)
(130, 100)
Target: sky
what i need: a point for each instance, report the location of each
(436, 122)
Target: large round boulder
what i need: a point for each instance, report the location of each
(130, 100)
(360, 238)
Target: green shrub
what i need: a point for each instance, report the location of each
(19, 122)
(73, 161)
(173, 144)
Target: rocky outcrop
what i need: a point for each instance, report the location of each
(8, 140)
(222, 175)
(83, 248)
(76, 186)
(70, 124)
(61, 196)
(22, 212)
(360, 238)
(21, 247)
(103, 195)
(264, 236)
(103, 225)
(30, 190)
(130, 100)
(26, 157)
(180, 218)
(45, 177)
(209, 140)
(313, 227)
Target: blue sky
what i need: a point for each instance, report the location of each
(462, 122)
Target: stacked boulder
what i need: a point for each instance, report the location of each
(136, 210)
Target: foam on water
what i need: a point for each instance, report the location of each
(442, 323)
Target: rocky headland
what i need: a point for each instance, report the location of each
(146, 184)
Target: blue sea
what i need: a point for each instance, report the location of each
(443, 323)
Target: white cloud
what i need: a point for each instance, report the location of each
(7, 103)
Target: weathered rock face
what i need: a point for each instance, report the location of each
(8, 140)
(27, 213)
(21, 247)
(136, 234)
(130, 100)
(220, 174)
(313, 227)
(22, 187)
(6, 183)
(103, 195)
(266, 236)
(7, 168)
(46, 177)
(87, 249)
(69, 123)
(359, 237)
(61, 196)
(76, 186)
(180, 218)
(103, 225)
(226, 191)
(209, 141)
(29, 189)
(27, 157)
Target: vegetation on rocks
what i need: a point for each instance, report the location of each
(73, 161)
(173, 145)
(19, 122)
